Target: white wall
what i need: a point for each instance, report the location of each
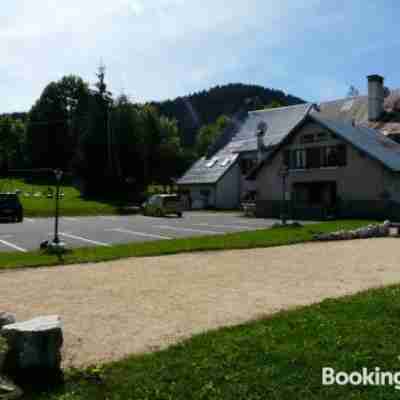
(361, 179)
(197, 197)
(228, 189)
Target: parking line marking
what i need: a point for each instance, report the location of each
(186, 229)
(70, 219)
(68, 235)
(29, 219)
(13, 246)
(140, 233)
(225, 226)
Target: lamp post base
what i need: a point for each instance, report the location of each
(57, 248)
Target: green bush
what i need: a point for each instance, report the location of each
(3, 346)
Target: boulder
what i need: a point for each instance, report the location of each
(384, 229)
(8, 390)
(34, 349)
(6, 318)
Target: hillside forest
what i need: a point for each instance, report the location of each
(110, 143)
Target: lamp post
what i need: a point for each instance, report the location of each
(58, 173)
(283, 172)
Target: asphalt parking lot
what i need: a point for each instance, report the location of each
(109, 230)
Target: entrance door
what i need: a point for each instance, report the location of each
(315, 198)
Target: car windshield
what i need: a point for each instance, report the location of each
(8, 199)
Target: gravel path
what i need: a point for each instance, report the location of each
(116, 308)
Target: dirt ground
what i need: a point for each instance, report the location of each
(112, 309)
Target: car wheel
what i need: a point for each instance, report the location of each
(179, 214)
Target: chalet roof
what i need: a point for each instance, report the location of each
(340, 114)
(280, 122)
(370, 141)
(209, 170)
(356, 109)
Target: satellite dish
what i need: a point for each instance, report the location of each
(262, 128)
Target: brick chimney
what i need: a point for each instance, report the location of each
(375, 97)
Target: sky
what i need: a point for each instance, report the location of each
(160, 49)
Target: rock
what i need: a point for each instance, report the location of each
(8, 390)
(6, 319)
(34, 348)
(369, 231)
(384, 229)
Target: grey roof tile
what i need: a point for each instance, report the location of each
(200, 173)
(280, 122)
(371, 141)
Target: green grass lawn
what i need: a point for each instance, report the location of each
(72, 204)
(280, 357)
(240, 240)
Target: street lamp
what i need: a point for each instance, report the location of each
(58, 173)
(283, 172)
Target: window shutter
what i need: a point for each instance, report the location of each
(314, 157)
(342, 155)
(286, 158)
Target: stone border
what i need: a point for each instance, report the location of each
(370, 231)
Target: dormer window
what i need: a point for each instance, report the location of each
(225, 161)
(212, 162)
(313, 138)
(307, 139)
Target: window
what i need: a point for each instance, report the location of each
(307, 138)
(298, 159)
(316, 157)
(321, 137)
(246, 165)
(225, 161)
(212, 162)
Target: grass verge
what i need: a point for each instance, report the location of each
(72, 204)
(242, 240)
(280, 357)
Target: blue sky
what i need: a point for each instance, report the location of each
(161, 49)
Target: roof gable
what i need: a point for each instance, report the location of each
(373, 143)
(280, 122)
(370, 141)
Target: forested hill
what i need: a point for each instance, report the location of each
(202, 108)
(23, 116)
(205, 107)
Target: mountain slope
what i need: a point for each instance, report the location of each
(205, 107)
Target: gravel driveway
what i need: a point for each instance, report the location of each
(116, 308)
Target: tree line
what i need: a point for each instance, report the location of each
(111, 143)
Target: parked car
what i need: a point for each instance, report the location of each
(160, 205)
(11, 207)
